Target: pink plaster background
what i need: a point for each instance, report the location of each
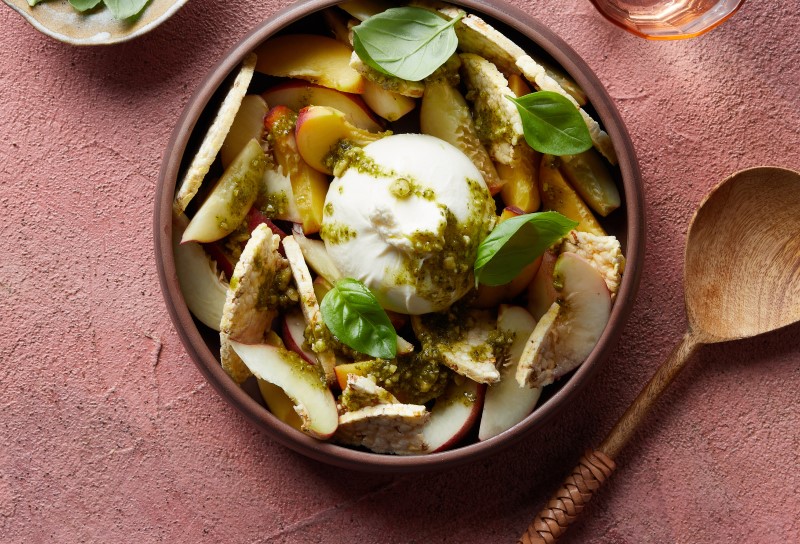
(109, 433)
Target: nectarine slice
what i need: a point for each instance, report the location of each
(310, 57)
(319, 131)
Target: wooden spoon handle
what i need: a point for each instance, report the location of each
(568, 502)
(596, 466)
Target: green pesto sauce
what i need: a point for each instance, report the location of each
(413, 379)
(273, 204)
(403, 187)
(354, 399)
(489, 124)
(447, 259)
(301, 367)
(346, 154)
(318, 338)
(336, 233)
(277, 291)
(328, 210)
(282, 128)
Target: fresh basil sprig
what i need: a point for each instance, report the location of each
(352, 313)
(517, 242)
(84, 5)
(405, 42)
(552, 124)
(121, 9)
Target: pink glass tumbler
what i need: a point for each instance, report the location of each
(667, 19)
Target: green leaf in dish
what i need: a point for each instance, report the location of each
(84, 5)
(122, 9)
(552, 124)
(354, 316)
(405, 42)
(517, 242)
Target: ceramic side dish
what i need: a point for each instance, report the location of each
(203, 344)
(59, 20)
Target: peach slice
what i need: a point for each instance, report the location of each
(317, 257)
(518, 85)
(319, 131)
(541, 292)
(297, 95)
(364, 9)
(444, 113)
(589, 176)
(276, 400)
(248, 124)
(568, 332)
(280, 404)
(453, 414)
(389, 105)
(507, 403)
(310, 57)
(202, 288)
(302, 382)
(231, 198)
(293, 327)
(309, 186)
(558, 195)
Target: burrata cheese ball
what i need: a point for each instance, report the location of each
(405, 216)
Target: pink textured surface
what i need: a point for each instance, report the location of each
(109, 433)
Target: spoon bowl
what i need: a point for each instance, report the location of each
(741, 277)
(742, 270)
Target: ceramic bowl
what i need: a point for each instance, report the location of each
(59, 20)
(202, 344)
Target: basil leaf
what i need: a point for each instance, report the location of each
(32, 3)
(406, 42)
(353, 315)
(83, 5)
(552, 124)
(122, 9)
(517, 242)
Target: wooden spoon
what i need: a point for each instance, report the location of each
(741, 278)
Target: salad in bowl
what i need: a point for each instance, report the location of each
(399, 224)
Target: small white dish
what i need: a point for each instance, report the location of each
(59, 20)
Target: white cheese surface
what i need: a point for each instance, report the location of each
(382, 206)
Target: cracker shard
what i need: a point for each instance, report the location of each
(310, 307)
(497, 120)
(362, 391)
(245, 317)
(385, 428)
(479, 37)
(468, 354)
(538, 363)
(215, 137)
(604, 253)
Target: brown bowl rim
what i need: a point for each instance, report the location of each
(364, 461)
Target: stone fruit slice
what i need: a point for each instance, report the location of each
(309, 186)
(203, 289)
(453, 414)
(310, 57)
(589, 175)
(302, 382)
(319, 131)
(507, 403)
(558, 195)
(297, 95)
(247, 125)
(231, 198)
(568, 332)
(444, 113)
